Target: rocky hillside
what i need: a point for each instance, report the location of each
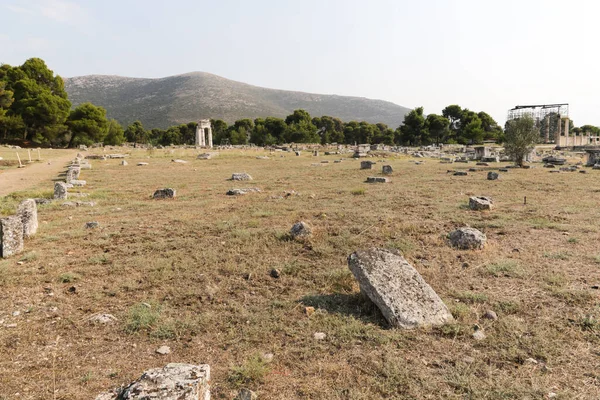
(163, 102)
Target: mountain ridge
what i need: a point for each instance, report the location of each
(162, 102)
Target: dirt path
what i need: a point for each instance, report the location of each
(17, 179)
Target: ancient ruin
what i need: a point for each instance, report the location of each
(204, 134)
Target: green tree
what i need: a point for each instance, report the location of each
(219, 128)
(39, 98)
(135, 133)
(414, 131)
(6, 99)
(115, 135)
(438, 127)
(87, 124)
(276, 128)
(521, 136)
(490, 127)
(300, 128)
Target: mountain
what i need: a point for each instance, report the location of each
(160, 103)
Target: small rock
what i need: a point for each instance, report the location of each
(478, 335)
(275, 273)
(92, 225)
(378, 179)
(532, 361)
(124, 162)
(166, 193)
(489, 314)
(309, 311)
(469, 360)
(320, 336)
(246, 394)
(480, 203)
(492, 176)
(16, 313)
(300, 230)
(267, 357)
(387, 170)
(163, 350)
(179, 161)
(10, 325)
(460, 173)
(102, 319)
(141, 164)
(552, 395)
(503, 169)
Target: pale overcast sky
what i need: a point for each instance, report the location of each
(485, 55)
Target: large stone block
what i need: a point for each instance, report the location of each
(241, 176)
(479, 203)
(27, 211)
(467, 238)
(166, 193)
(402, 295)
(172, 382)
(60, 190)
(11, 236)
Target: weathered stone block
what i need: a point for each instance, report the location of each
(467, 238)
(166, 193)
(460, 173)
(238, 192)
(172, 382)
(404, 298)
(60, 190)
(480, 203)
(492, 176)
(387, 170)
(366, 164)
(27, 211)
(241, 176)
(378, 179)
(11, 236)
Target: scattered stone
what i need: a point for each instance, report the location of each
(267, 357)
(480, 203)
(490, 314)
(40, 200)
(76, 182)
(309, 311)
(549, 166)
(141, 164)
(300, 230)
(404, 298)
(467, 238)
(60, 190)
(366, 164)
(16, 313)
(482, 164)
(95, 157)
(582, 171)
(241, 176)
(79, 203)
(337, 161)
(378, 179)
(492, 176)
(179, 161)
(124, 162)
(166, 193)
(297, 153)
(479, 335)
(239, 192)
(204, 156)
(319, 335)
(11, 236)
(387, 170)
(474, 170)
(460, 173)
(92, 225)
(246, 394)
(531, 361)
(262, 158)
(503, 169)
(555, 171)
(27, 211)
(275, 273)
(163, 350)
(102, 319)
(173, 382)
(325, 162)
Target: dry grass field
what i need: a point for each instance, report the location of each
(193, 273)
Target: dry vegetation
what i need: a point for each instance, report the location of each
(202, 263)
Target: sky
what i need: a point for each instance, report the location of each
(484, 55)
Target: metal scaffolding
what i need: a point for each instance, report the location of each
(549, 118)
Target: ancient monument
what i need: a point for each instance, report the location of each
(204, 134)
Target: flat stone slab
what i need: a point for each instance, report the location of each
(404, 298)
(492, 176)
(239, 192)
(378, 179)
(240, 176)
(11, 236)
(179, 161)
(460, 173)
(76, 182)
(173, 382)
(141, 164)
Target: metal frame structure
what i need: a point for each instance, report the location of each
(540, 111)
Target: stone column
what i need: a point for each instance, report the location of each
(547, 139)
(567, 131)
(198, 135)
(210, 143)
(558, 131)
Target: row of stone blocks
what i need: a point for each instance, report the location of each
(15, 228)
